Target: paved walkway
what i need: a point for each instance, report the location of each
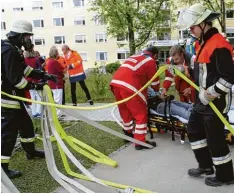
(162, 169)
(95, 115)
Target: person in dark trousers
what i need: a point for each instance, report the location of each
(14, 116)
(76, 73)
(214, 74)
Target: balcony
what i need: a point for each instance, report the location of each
(163, 43)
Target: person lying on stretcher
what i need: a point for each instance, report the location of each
(181, 109)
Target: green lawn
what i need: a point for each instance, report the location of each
(36, 178)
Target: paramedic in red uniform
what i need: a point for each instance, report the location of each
(214, 74)
(131, 76)
(184, 61)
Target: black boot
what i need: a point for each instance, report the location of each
(196, 172)
(212, 181)
(36, 154)
(140, 147)
(31, 152)
(128, 134)
(90, 102)
(10, 173)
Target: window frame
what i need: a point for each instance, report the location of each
(105, 55)
(104, 38)
(63, 39)
(39, 38)
(84, 39)
(62, 21)
(83, 22)
(82, 6)
(61, 2)
(41, 23)
(3, 24)
(125, 52)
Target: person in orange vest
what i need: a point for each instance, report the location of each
(214, 74)
(132, 75)
(184, 61)
(76, 73)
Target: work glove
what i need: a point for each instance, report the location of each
(39, 86)
(51, 77)
(205, 96)
(35, 86)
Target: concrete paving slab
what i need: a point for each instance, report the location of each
(162, 169)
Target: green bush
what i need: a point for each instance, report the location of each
(112, 67)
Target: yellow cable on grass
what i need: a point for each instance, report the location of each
(73, 141)
(230, 128)
(70, 139)
(160, 71)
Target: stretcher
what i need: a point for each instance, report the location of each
(176, 125)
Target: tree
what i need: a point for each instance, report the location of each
(215, 5)
(137, 19)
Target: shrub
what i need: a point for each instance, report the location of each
(112, 67)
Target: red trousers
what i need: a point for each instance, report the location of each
(132, 110)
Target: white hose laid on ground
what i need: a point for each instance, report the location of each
(63, 180)
(6, 184)
(76, 114)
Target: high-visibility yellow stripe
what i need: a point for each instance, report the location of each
(27, 140)
(22, 83)
(10, 106)
(27, 71)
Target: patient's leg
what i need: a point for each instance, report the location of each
(181, 109)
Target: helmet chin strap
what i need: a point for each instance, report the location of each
(201, 39)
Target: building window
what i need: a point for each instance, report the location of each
(79, 20)
(121, 55)
(57, 4)
(80, 38)
(18, 9)
(3, 25)
(163, 55)
(78, 3)
(230, 35)
(58, 21)
(3, 10)
(101, 56)
(164, 36)
(37, 5)
(230, 14)
(84, 56)
(38, 23)
(98, 20)
(101, 37)
(183, 34)
(39, 41)
(122, 37)
(59, 40)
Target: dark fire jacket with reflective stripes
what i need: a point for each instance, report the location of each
(13, 74)
(214, 69)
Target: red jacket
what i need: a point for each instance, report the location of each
(55, 68)
(134, 73)
(35, 63)
(180, 84)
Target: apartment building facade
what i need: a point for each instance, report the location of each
(58, 22)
